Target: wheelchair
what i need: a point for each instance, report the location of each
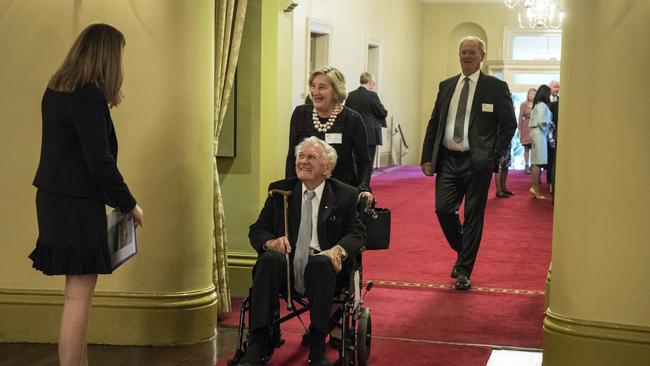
(351, 317)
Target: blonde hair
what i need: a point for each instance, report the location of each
(337, 80)
(96, 58)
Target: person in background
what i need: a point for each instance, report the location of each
(77, 176)
(471, 126)
(540, 123)
(501, 176)
(366, 102)
(524, 130)
(339, 126)
(552, 141)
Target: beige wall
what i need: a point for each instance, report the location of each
(444, 25)
(396, 26)
(163, 126)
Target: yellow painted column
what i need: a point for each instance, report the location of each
(599, 311)
(165, 294)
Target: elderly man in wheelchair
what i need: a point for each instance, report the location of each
(307, 236)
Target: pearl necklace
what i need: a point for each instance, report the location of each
(324, 127)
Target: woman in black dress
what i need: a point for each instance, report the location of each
(339, 126)
(77, 176)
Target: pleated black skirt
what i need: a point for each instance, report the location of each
(72, 237)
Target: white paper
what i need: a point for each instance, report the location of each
(121, 238)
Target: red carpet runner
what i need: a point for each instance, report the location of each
(417, 316)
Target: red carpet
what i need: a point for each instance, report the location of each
(387, 352)
(515, 250)
(444, 315)
(414, 308)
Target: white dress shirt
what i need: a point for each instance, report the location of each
(315, 204)
(448, 141)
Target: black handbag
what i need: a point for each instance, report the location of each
(377, 222)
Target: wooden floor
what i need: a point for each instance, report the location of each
(200, 354)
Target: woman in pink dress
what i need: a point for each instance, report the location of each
(524, 129)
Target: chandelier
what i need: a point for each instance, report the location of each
(538, 13)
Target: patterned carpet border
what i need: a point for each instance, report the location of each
(425, 285)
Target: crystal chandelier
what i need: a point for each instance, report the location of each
(538, 13)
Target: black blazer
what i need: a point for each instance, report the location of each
(79, 149)
(338, 221)
(489, 132)
(367, 104)
(555, 110)
(353, 166)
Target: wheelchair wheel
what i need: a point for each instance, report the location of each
(364, 337)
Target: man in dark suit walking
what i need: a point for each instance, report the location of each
(324, 236)
(471, 126)
(366, 102)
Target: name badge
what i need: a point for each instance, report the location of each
(334, 138)
(487, 107)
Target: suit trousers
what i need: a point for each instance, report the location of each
(372, 150)
(269, 280)
(457, 180)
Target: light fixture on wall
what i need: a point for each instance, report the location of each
(538, 13)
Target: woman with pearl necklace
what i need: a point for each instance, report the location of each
(328, 119)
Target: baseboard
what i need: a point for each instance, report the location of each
(240, 267)
(571, 342)
(116, 318)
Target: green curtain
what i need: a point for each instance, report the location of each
(230, 16)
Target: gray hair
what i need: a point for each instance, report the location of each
(329, 153)
(481, 43)
(365, 77)
(554, 82)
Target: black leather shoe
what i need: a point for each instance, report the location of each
(502, 195)
(324, 361)
(454, 272)
(462, 282)
(509, 193)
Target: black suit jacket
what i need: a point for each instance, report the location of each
(555, 110)
(79, 148)
(338, 221)
(367, 104)
(353, 165)
(489, 133)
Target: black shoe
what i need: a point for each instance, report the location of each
(509, 193)
(317, 348)
(454, 272)
(462, 282)
(256, 351)
(502, 195)
(324, 361)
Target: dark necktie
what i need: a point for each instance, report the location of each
(302, 244)
(459, 124)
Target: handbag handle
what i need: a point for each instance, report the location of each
(369, 208)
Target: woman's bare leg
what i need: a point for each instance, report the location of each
(526, 155)
(79, 291)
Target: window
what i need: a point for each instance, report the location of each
(532, 45)
(542, 47)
